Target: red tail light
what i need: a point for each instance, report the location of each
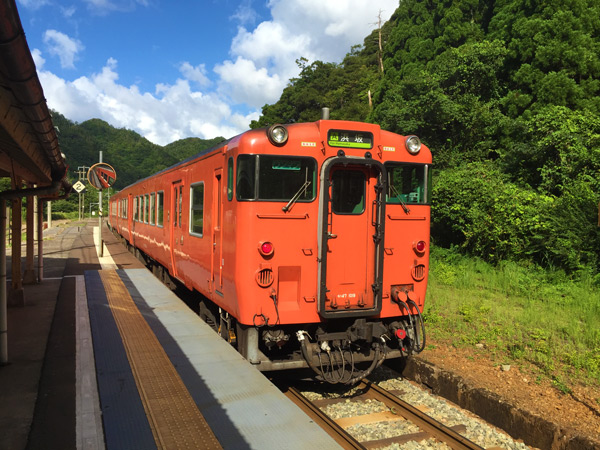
(420, 247)
(266, 248)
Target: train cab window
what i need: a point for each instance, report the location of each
(197, 209)
(276, 178)
(159, 208)
(408, 183)
(348, 191)
(230, 179)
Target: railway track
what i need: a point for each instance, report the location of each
(397, 410)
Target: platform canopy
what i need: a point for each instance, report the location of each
(29, 148)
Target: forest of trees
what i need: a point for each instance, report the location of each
(506, 95)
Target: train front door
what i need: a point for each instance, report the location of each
(351, 240)
(217, 242)
(175, 223)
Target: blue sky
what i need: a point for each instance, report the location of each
(175, 69)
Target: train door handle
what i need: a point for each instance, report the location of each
(331, 235)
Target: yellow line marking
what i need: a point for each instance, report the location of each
(174, 418)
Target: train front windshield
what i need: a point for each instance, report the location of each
(408, 183)
(276, 178)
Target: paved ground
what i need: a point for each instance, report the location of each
(37, 387)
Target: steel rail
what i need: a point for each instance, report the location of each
(340, 435)
(423, 421)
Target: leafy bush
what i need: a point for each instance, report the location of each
(478, 209)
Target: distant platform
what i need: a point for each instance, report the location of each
(167, 380)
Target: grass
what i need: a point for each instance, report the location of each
(523, 314)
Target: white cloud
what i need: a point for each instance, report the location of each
(107, 6)
(68, 11)
(38, 59)
(197, 74)
(245, 14)
(243, 82)
(173, 112)
(34, 4)
(61, 45)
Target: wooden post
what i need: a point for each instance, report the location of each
(40, 239)
(29, 274)
(3, 293)
(16, 297)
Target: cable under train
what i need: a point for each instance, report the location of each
(308, 243)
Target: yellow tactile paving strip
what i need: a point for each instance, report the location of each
(174, 418)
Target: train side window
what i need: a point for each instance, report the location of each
(246, 169)
(135, 202)
(197, 209)
(230, 179)
(159, 208)
(152, 203)
(139, 209)
(145, 208)
(408, 183)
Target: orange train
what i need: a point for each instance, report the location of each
(308, 243)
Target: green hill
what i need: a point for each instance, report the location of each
(132, 156)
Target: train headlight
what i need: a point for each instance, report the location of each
(413, 144)
(278, 135)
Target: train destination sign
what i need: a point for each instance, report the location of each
(350, 139)
(102, 176)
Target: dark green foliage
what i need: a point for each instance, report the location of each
(478, 209)
(554, 147)
(553, 53)
(453, 104)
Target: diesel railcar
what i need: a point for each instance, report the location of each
(307, 243)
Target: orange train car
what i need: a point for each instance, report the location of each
(308, 243)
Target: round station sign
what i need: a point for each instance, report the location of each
(102, 176)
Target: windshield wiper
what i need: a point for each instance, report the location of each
(397, 194)
(296, 196)
(300, 192)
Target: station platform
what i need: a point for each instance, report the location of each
(122, 363)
